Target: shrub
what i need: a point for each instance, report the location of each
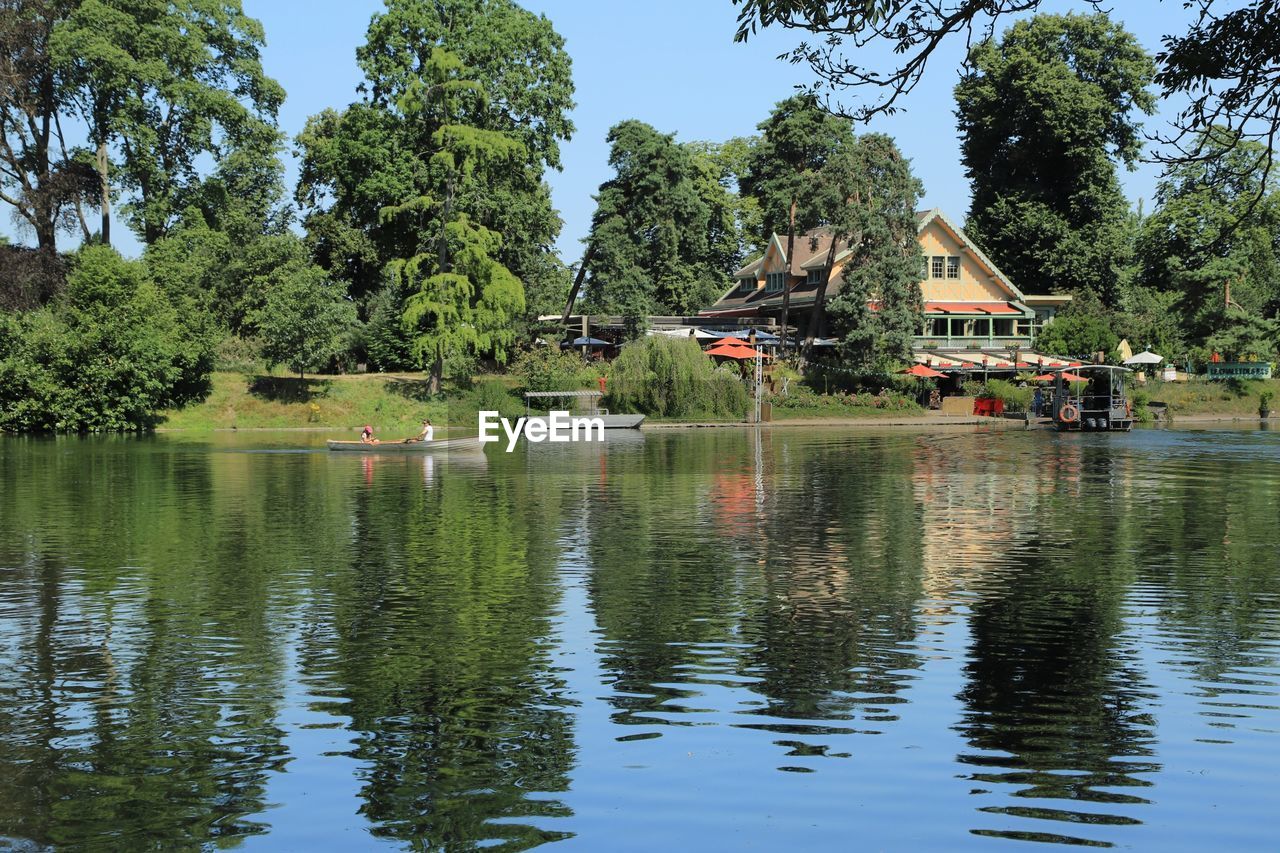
(1015, 399)
(672, 377)
(106, 356)
(550, 368)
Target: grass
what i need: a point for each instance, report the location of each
(1201, 397)
(392, 404)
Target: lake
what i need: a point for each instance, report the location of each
(695, 639)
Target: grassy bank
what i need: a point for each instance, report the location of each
(1201, 397)
(391, 403)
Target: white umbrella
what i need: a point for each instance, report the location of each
(1144, 357)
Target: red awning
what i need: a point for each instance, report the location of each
(970, 308)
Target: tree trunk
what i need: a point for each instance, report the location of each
(577, 284)
(437, 374)
(786, 283)
(105, 189)
(819, 303)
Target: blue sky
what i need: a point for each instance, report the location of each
(672, 63)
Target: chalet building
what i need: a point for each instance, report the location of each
(974, 316)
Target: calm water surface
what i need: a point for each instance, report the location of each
(701, 639)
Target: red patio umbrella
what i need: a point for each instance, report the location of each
(923, 372)
(1066, 377)
(736, 350)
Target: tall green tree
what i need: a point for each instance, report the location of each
(650, 232)
(463, 300)
(305, 319)
(356, 160)
(796, 140)
(869, 197)
(1045, 114)
(1214, 237)
(39, 177)
(167, 82)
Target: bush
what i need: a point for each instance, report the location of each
(1015, 399)
(550, 368)
(672, 377)
(107, 356)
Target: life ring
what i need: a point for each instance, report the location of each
(1069, 413)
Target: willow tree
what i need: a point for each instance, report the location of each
(462, 299)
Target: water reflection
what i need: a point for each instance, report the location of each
(1070, 639)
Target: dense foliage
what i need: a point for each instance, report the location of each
(672, 377)
(871, 196)
(382, 151)
(784, 173)
(661, 233)
(108, 354)
(1044, 114)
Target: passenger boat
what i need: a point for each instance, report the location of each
(1102, 404)
(443, 446)
(586, 404)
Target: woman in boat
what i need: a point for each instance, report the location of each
(427, 432)
(366, 435)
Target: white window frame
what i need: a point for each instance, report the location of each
(953, 266)
(938, 267)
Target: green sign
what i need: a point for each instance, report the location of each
(1240, 370)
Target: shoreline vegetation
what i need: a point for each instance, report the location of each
(397, 402)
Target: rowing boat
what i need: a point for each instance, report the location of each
(450, 444)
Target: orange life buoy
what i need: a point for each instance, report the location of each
(1069, 413)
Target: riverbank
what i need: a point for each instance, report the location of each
(389, 402)
(397, 403)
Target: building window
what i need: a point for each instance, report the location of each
(958, 329)
(1002, 328)
(815, 277)
(773, 282)
(938, 261)
(1024, 328)
(938, 327)
(747, 284)
(982, 328)
(953, 266)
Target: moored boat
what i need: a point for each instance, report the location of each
(1098, 401)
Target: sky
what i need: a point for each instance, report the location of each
(671, 63)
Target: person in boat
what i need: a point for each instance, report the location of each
(427, 432)
(366, 435)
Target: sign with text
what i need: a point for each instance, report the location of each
(1240, 370)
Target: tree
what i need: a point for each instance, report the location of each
(462, 298)
(169, 81)
(1042, 116)
(305, 319)
(649, 234)
(1226, 62)
(1079, 333)
(109, 354)
(870, 197)
(39, 178)
(356, 160)
(1212, 237)
(796, 141)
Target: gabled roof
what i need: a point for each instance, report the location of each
(924, 217)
